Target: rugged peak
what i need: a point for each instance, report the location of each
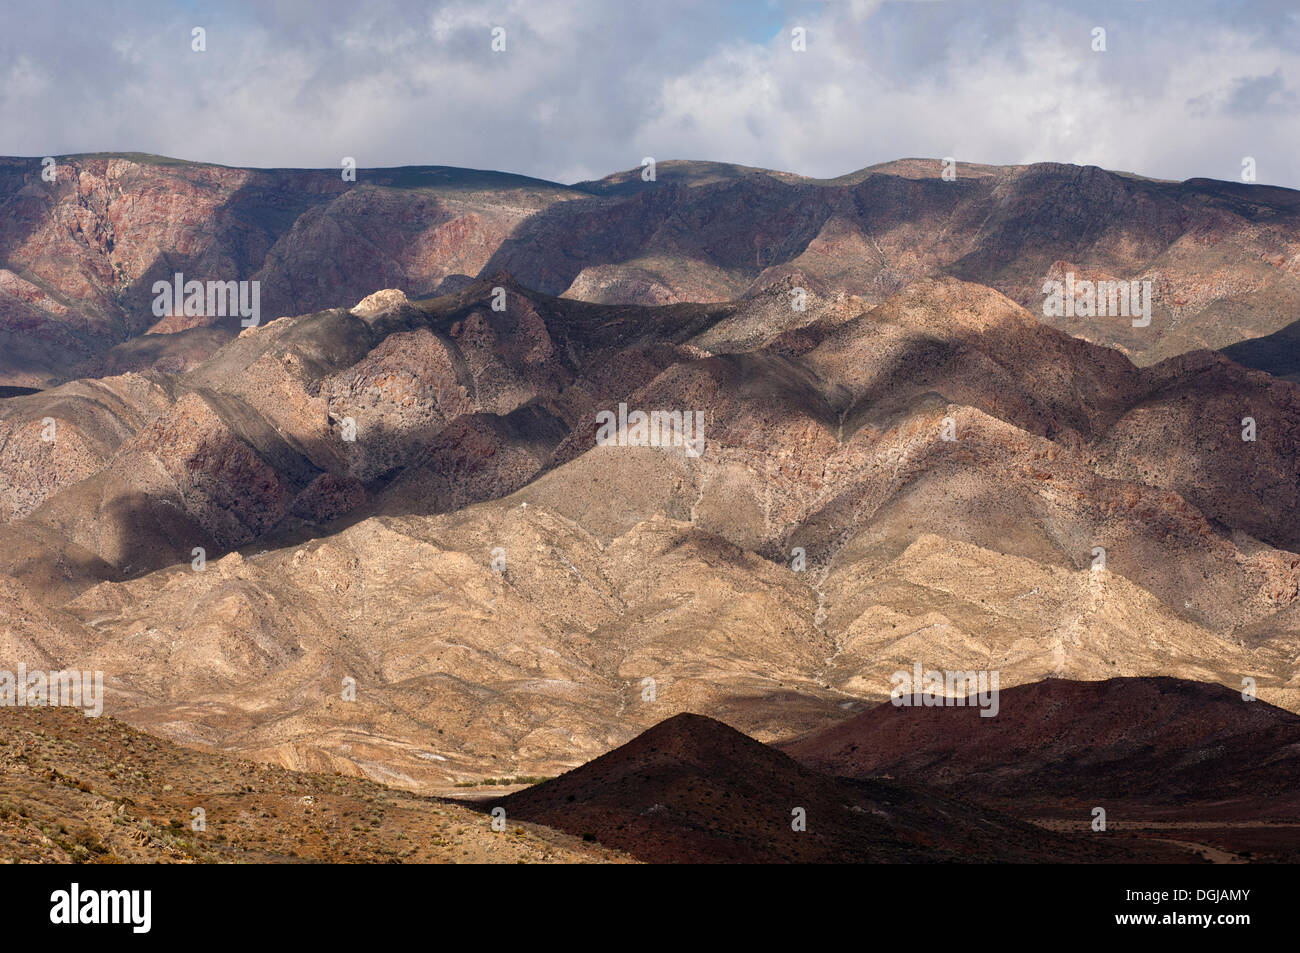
(381, 302)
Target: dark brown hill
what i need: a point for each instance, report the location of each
(1157, 740)
(693, 789)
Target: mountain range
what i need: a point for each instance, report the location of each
(381, 534)
(79, 256)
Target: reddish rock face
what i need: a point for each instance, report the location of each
(434, 407)
(1150, 740)
(78, 257)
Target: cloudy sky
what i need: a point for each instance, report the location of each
(584, 87)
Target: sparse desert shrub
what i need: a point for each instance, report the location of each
(89, 840)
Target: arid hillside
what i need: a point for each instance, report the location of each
(411, 497)
(410, 528)
(79, 256)
(79, 790)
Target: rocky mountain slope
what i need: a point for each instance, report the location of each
(79, 255)
(500, 587)
(76, 790)
(382, 536)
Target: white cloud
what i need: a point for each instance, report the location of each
(587, 87)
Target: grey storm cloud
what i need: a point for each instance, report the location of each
(586, 87)
(1250, 96)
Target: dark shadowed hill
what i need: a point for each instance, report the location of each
(1277, 353)
(1157, 740)
(693, 789)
